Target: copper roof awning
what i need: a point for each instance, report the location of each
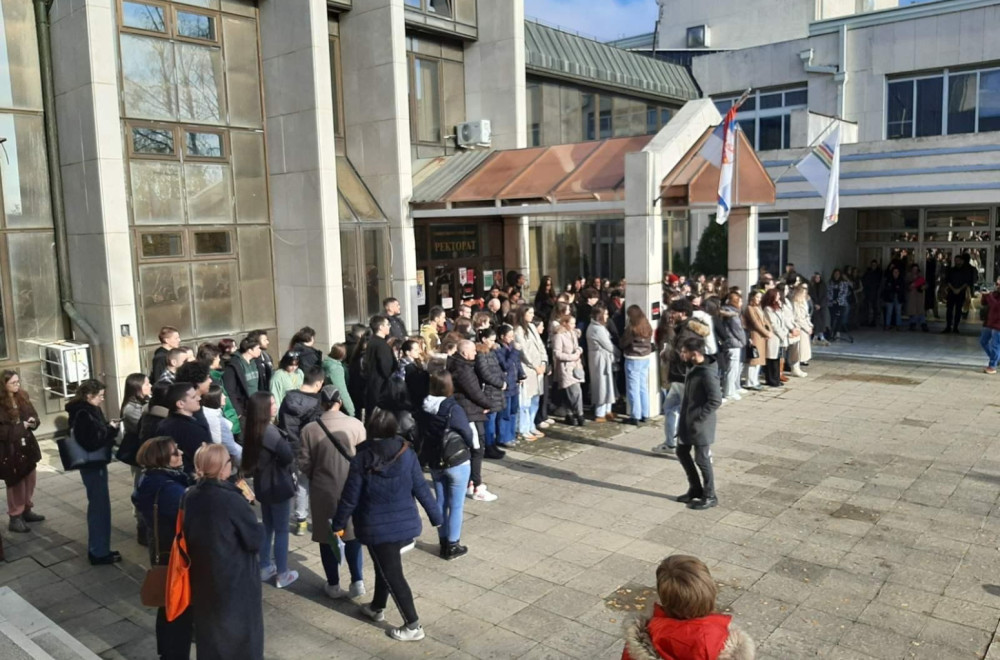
(695, 182)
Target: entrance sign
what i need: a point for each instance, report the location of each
(454, 242)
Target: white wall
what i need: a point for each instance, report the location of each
(812, 249)
(734, 23)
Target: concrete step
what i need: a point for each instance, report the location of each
(26, 633)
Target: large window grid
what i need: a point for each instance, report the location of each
(765, 116)
(436, 88)
(772, 243)
(951, 102)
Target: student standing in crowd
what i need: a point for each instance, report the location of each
(18, 420)
(469, 394)
(636, 349)
(183, 402)
(379, 364)
(601, 354)
(174, 359)
(265, 365)
(893, 297)
(220, 428)
(170, 339)
(989, 337)
(734, 342)
(778, 341)
(534, 361)
(335, 368)
(303, 345)
(755, 321)
(494, 383)
(241, 378)
(299, 408)
(696, 428)
(136, 395)
(915, 287)
(397, 327)
(568, 368)
(288, 377)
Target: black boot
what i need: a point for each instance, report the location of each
(456, 550)
(580, 420)
(141, 535)
(494, 452)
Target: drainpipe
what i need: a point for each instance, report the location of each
(71, 315)
(838, 71)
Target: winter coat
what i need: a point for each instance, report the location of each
(659, 637)
(760, 332)
(159, 364)
(430, 334)
(601, 360)
(397, 327)
(894, 290)
(309, 357)
(327, 469)
(90, 427)
(14, 433)
(298, 409)
(821, 305)
(336, 375)
(510, 362)
(805, 326)
(702, 397)
(468, 390)
(234, 381)
(711, 347)
(162, 489)
(265, 370)
(276, 454)
(380, 363)
(188, 434)
(384, 479)
(284, 382)
(228, 411)
(915, 287)
(779, 333)
(991, 301)
(730, 327)
(149, 423)
(533, 355)
(437, 415)
(221, 430)
(492, 376)
(223, 538)
(634, 346)
(566, 356)
(839, 293)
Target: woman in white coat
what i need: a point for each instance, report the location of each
(794, 336)
(778, 341)
(535, 361)
(803, 323)
(601, 360)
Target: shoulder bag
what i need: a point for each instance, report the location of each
(178, 590)
(343, 452)
(74, 456)
(154, 586)
(274, 483)
(19, 457)
(454, 451)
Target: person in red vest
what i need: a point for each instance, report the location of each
(684, 624)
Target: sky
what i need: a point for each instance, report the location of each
(604, 19)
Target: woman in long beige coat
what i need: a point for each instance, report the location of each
(778, 341)
(324, 460)
(568, 367)
(800, 307)
(534, 361)
(760, 331)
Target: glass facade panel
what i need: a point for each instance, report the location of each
(250, 176)
(37, 313)
(148, 77)
(200, 94)
(204, 145)
(465, 11)
(771, 133)
(534, 110)
(20, 84)
(142, 16)
(165, 291)
(162, 244)
(604, 129)
(439, 7)
(216, 305)
(454, 95)
(349, 270)
(156, 193)
(242, 72)
(212, 242)
(962, 103)
(589, 117)
(427, 99)
(770, 101)
(571, 115)
(377, 269)
(256, 277)
(989, 101)
(152, 141)
(929, 103)
(195, 26)
(899, 119)
(338, 123)
(25, 176)
(208, 193)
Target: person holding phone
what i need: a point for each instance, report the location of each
(19, 452)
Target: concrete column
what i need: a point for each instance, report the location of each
(93, 169)
(516, 244)
(743, 247)
(377, 127)
(494, 73)
(303, 168)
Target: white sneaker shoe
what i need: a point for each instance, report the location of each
(375, 615)
(743, 390)
(286, 579)
(334, 591)
(406, 548)
(470, 491)
(664, 449)
(736, 397)
(268, 572)
(358, 589)
(483, 495)
(404, 634)
(798, 373)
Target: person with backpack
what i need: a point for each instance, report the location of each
(329, 442)
(299, 408)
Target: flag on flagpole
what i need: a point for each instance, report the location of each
(712, 149)
(726, 171)
(821, 168)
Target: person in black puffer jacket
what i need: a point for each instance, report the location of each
(92, 431)
(303, 343)
(299, 408)
(469, 394)
(494, 381)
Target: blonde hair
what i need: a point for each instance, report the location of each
(209, 461)
(685, 587)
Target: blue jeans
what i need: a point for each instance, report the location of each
(353, 557)
(95, 480)
(449, 487)
(637, 387)
(507, 420)
(891, 307)
(670, 402)
(490, 429)
(526, 414)
(276, 518)
(990, 341)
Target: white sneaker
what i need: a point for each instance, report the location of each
(406, 548)
(334, 591)
(404, 634)
(798, 373)
(358, 589)
(663, 449)
(483, 495)
(268, 572)
(286, 579)
(375, 615)
(725, 400)
(470, 491)
(743, 390)
(736, 397)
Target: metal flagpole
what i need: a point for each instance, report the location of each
(795, 161)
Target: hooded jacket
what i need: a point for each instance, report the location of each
(90, 427)
(731, 328)
(468, 390)
(492, 376)
(298, 409)
(435, 418)
(510, 361)
(659, 637)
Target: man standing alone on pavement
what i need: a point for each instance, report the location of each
(696, 429)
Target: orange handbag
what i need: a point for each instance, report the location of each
(178, 572)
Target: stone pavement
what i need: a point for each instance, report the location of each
(919, 347)
(858, 520)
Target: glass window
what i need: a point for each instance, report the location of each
(749, 128)
(195, 26)
(989, 101)
(149, 79)
(796, 97)
(723, 105)
(250, 176)
(208, 193)
(899, 119)
(25, 176)
(605, 126)
(958, 218)
(534, 114)
(242, 72)
(204, 145)
(771, 133)
(929, 102)
(439, 7)
(216, 305)
(356, 194)
(376, 270)
(349, 270)
(20, 83)
(465, 11)
(571, 115)
(162, 244)
(338, 125)
(165, 291)
(200, 95)
(427, 99)
(413, 3)
(665, 115)
(256, 277)
(142, 16)
(156, 193)
(770, 255)
(37, 313)
(770, 101)
(212, 242)
(453, 74)
(205, 4)
(589, 118)
(770, 225)
(962, 103)
(158, 141)
(652, 120)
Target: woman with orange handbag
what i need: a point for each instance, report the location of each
(157, 498)
(223, 539)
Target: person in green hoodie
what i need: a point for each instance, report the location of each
(211, 357)
(336, 375)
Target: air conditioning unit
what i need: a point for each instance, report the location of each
(699, 36)
(65, 364)
(471, 134)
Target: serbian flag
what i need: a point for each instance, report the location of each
(726, 171)
(821, 168)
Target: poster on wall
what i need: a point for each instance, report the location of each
(463, 276)
(498, 278)
(447, 303)
(487, 280)
(421, 289)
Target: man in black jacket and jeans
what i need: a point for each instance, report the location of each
(241, 379)
(183, 402)
(397, 327)
(380, 363)
(469, 394)
(696, 428)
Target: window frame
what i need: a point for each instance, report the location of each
(337, 76)
(214, 16)
(130, 146)
(170, 11)
(141, 231)
(945, 75)
(223, 133)
(756, 113)
(163, 6)
(412, 54)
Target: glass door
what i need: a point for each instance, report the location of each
(939, 259)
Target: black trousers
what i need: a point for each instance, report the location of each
(173, 638)
(389, 580)
(772, 372)
(954, 314)
(703, 486)
(476, 473)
